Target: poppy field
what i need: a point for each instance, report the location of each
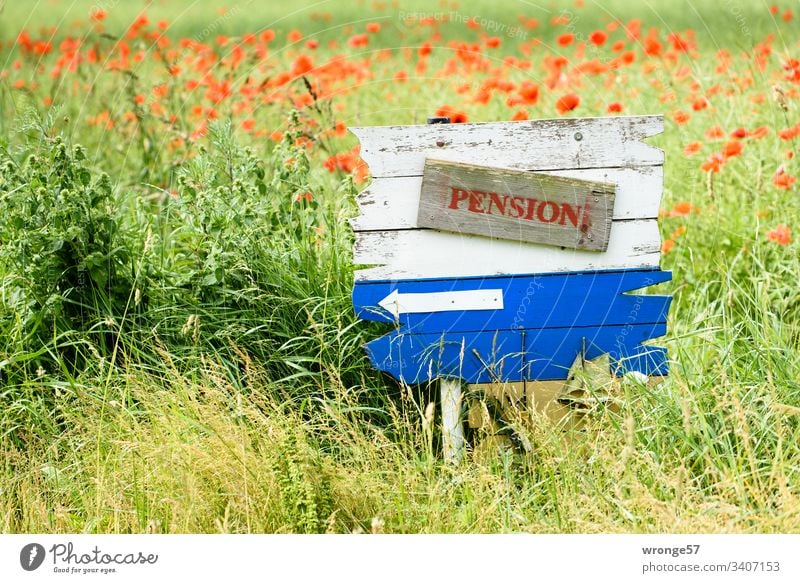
(178, 347)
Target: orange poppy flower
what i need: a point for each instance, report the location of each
(681, 117)
(692, 148)
(358, 40)
(567, 103)
(302, 65)
(678, 232)
(598, 38)
(681, 209)
(782, 235)
(565, 39)
(529, 92)
(713, 164)
(732, 148)
(451, 112)
(739, 133)
(782, 179)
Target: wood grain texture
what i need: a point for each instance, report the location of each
(563, 300)
(516, 205)
(392, 203)
(516, 355)
(550, 144)
(416, 254)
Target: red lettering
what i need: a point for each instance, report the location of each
(494, 199)
(568, 211)
(553, 215)
(457, 195)
(517, 208)
(476, 201)
(531, 208)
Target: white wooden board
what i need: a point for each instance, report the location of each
(391, 203)
(421, 253)
(551, 144)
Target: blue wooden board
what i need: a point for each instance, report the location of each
(547, 320)
(514, 355)
(531, 301)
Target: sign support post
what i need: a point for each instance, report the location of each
(452, 424)
(450, 393)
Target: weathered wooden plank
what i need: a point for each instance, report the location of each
(550, 144)
(516, 205)
(392, 203)
(421, 253)
(516, 355)
(517, 302)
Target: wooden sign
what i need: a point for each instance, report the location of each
(489, 274)
(516, 205)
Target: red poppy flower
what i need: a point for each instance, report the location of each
(680, 117)
(782, 235)
(567, 103)
(455, 115)
(692, 148)
(302, 65)
(529, 92)
(358, 40)
(782, 179)
(713, 164)
(732, 148)
(681, 209)
(598, 38)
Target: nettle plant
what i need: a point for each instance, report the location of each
(65, 261)
(233, 209)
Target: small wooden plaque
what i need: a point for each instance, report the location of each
(517, 205)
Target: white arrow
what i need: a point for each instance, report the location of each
(451, 301)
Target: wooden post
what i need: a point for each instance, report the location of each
(452, 425)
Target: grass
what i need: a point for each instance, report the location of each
(193, 363)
